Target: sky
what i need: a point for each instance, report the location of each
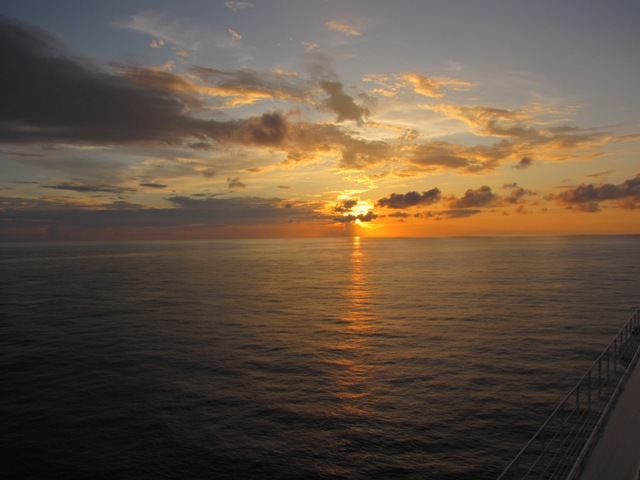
(156, 119)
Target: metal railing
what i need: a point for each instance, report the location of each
(559, 447)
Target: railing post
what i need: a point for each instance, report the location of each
(589, 392)
(542, 449)
(626, 335)
(599, 377)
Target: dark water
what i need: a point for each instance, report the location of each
(329, 358)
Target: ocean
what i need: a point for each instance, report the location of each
(344, 358)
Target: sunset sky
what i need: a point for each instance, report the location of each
(309, 118)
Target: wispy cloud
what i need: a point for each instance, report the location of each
(343, 28)
(433, 87)
(86, 188)
(236, 6)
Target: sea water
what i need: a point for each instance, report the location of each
(346, 358)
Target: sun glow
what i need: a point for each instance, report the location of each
(362, 208)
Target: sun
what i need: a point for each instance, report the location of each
(355, 214)
(361, 209)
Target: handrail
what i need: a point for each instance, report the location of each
(559, 447)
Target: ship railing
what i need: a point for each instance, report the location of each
(559, 448)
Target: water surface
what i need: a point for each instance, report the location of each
(326, 358)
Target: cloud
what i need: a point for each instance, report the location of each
(163, 31)
(235, 183)
(459, 213)
(346, 205)
(526, 136)
(50, 96)
(517, 193)
(363, 217)
(343, 28)
(480, 197)
(353, 209)
(524, 163)
(305, 141)
(588, 197)
(31, 215)
(400, 215)
(600, 175)
(438, 155)
(47, 95)
(423, 85)
(268, 129)
(83, 188)
(247, 86)
(341, 103)
(487, 121)
(168, 83)
(319, 67)
(432, 87)
(235, 6)
(410, 199)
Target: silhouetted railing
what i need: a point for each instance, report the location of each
(558, 449)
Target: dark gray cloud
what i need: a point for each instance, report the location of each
(235, 183)
(48, 95)
(346, 205)
(269, 129)
(84, 188)
(588, 197)
(341, 103)
(480, 197)
(600, 175)
(517, 194)
(13, 154)
(363, 217)
(524, 163)
(18, 214)
(153, 185)
(459, 213)
(410, 199)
